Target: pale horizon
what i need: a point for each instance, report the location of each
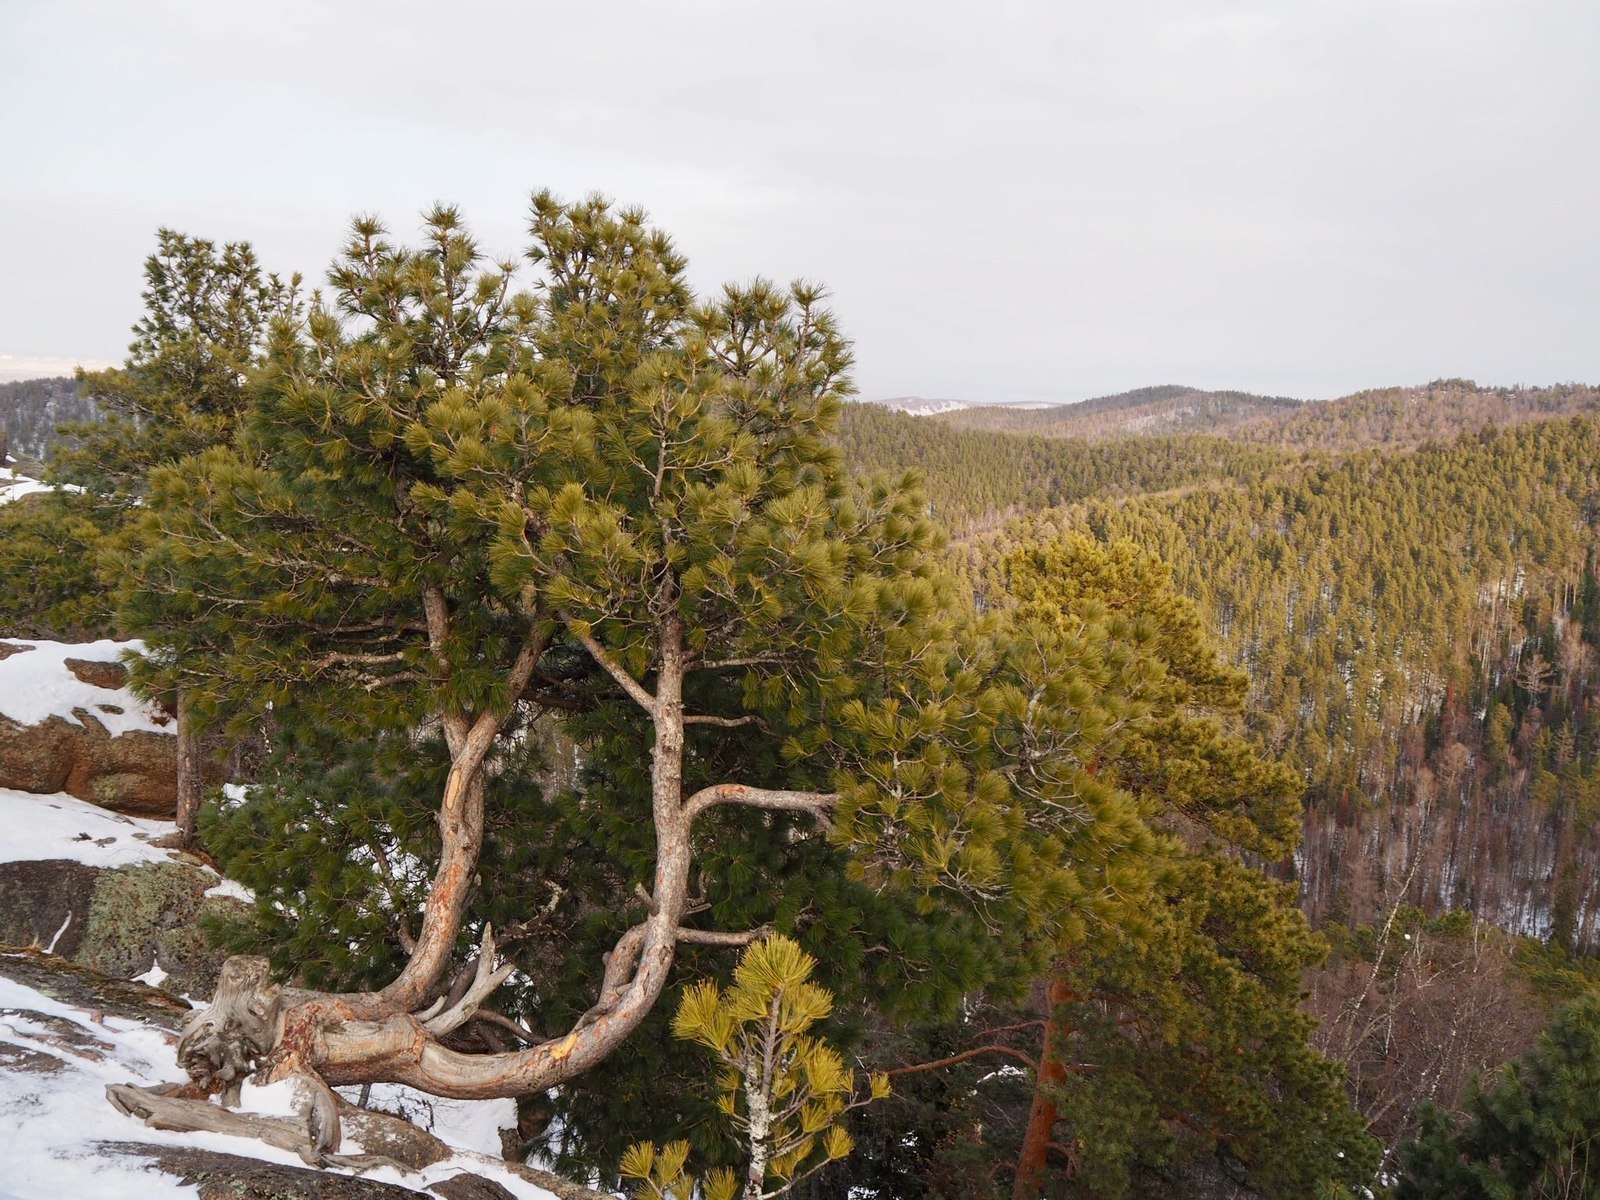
(1010, 203)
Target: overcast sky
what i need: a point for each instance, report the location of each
(1009, 201)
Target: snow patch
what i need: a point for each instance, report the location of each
(473, 1125)
(154, 977)
(42, 827)
(14, 486)
(36, 684)
(51, 1122)
(232, 889)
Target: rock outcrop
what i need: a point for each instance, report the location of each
(68, 723)
(133, 772)
(122, 921)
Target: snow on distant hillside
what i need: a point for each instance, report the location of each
(916, 406)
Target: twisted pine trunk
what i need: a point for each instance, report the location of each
(395, 1036)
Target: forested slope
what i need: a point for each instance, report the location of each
(975, 480)
(31, 409)
(1419, 627)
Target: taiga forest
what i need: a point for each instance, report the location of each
(1178, 794)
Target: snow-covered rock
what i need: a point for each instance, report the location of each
(68, 723)
(100, 888)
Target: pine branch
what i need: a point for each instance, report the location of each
(724, 722)
(717, 937)
(613, 668)
(728, 664)
(975, 1052)
(817, 804)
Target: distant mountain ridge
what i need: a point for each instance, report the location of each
(1395, 417)
(920, 406)
(1163, 409)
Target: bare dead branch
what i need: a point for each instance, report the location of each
(718, 937)
(730, 664)
(339, 658)
(162, 1111)
(723, 722)
(485, 982)
(501, 1021)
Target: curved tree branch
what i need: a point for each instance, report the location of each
(1007, 1051)
(612, 667)
(818, 804)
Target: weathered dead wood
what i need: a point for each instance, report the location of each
(158, 1108)
(486, 980)
(223, 1043)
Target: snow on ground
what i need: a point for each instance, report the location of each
(35, 684)
(15, 487)
(469, 1124)
(62, 826)
(48, 1119)
(51, 1120)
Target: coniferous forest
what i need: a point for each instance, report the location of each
(1184, 794)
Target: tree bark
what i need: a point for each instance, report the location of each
(1051, 1075)
(191, 771)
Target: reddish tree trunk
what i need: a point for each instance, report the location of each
(1051, 1075)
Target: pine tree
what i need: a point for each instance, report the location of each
(782, 1089)
(1535, 1131)
(459, 507)
(1184, 1006)
(48, 543)
(184, 386)
(182, 390)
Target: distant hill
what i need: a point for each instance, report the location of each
(1169, 408)
(1406, 417)
(920, 406)
(1395, 417)
(30, 410)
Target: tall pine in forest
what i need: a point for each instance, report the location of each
(1173, 1049)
